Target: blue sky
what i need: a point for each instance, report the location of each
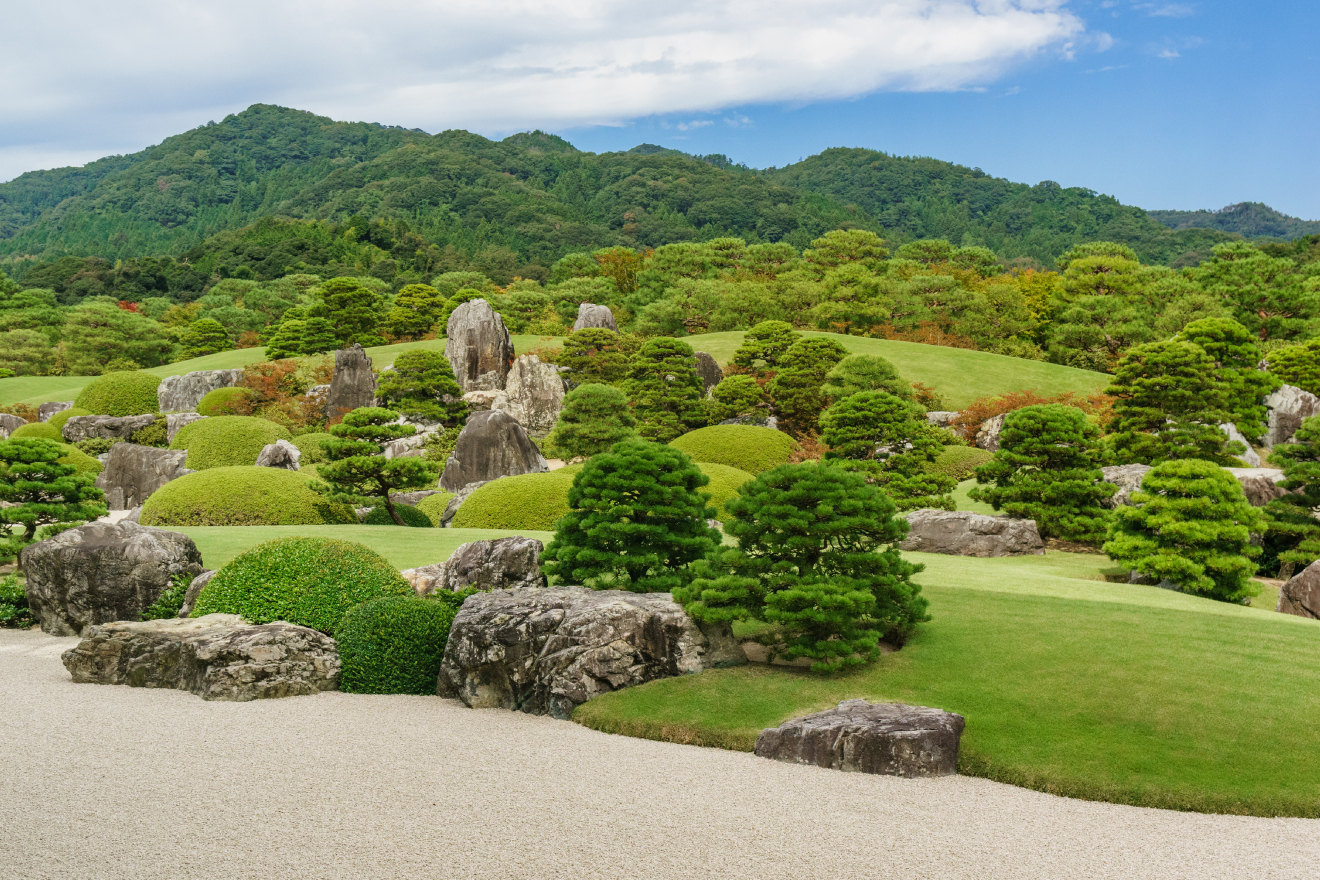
(1164, 105)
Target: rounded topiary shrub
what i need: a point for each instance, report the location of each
(222, 401)
(530, 501)
(310, 447)
(120, 394)
(227, 441)
(81, 461)
(37, 431)
(63, 416)
(393, 645)
(312, 582)
(242, 496)
(745, 447)
(411, 516)
(434, 505)
(723, 485)
(959, 462)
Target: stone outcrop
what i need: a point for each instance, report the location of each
(1249, 456)
(456, 502)
(860, 737)
(503, 564)
(81, 428)
(183, 393)
(961, 533)
(46, 410)
(1260, 485)
(491, 445)
(546, 651)
(1287, 407)
(280, 454)
(941, 418)
(176, 422)
(533, 394)
(1300, 595)
(592, 315)
(194, 590)
(216, 657)
(353, 385)
(1127, 477)
(102, 572)
(478, 346)
(133, 472)
(709, 371)
(412, 499)
(987, 437)
(9, 423)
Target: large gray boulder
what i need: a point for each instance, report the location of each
(491, 445)
(353, 385)
(961, 533)
(592, 315)
(546, 651)
(81, 428)
(1287, 407)
(860, 737)
(533, 394)
(280, 454)
(478, 346)
(183, 393)
(1249, 456)
(1127, 477)
(502, 564)
(102, 572)
(133, 472)
(9, 423)
(1300, 595)
(51, 408)
(176, 422)
(709, 371)
(987, 437)
(1260, 485)
(216, 657)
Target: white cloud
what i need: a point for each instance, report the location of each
(694, 123)
(1168, 53)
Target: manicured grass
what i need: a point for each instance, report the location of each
(962, 502)
(404, 547)
(1069, 685)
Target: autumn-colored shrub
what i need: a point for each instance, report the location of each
(1098, 406)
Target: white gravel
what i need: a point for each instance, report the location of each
(121, 782)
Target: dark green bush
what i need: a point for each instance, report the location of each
(745, 447)
(155, 434)
(170, 600)
(225, 402)
(393, 645)
(227, 441)
(310, 447)
(311, 582)
(120, 394)
(241, 496)
(959, 462)
(434, 505)
(14, 612)
(411, 516)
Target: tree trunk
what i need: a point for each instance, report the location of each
(394, 514)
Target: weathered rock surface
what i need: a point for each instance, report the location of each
(940, 418)
(194, 590)
(216, 657)
(183, 393)
(592, 315)
(9, 423)
(1250, 456)
(460, 495)
(961, 533)
(353, 385)
(176, 422)
(52, 407)
(280, 454)
(479, 348)
(412, 498)
(546, 651)
(102, 572)
(491, 445)
(709, 371)
(1300, 595)
(988, 436)
(1127, 477)
(81, 428)
(860, 737)
(1260, 485)
(533, 394)
(1287, 407)
(768, 422)
(503, 564)
(133, 472)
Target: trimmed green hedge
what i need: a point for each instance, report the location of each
(530, 502)
(312, 582)
(214, 403)
(310, 447)
(227, 441)
(242, 496)
(411, 516)
(393, 645)
(723, 485)
(63, 416)
(37, 431)
(120, 394)
(959, 462)
(434, 505)
(81, 461)
(745, 447)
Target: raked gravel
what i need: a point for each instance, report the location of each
(118, 782)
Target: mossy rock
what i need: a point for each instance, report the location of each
(242, 496)
(411, 516)
(745, 447)
(63, 416)
(723, 485)
(120, 394)
(227, 441)
(959, 462)
(37, 431)
(216, 402)
(434, 505)
(526, 502)
(311, 582)
(393, 645)
(310, 447)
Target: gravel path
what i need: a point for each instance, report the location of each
(124, 783)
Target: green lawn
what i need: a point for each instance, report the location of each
(1069, 684)
(962, 502)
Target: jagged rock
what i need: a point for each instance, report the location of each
(1234, 435)
(81, 428)
(9, 423)
(491, 445)
(353, 385)
(317, 396)
(709, 371)
(132, 515)
(102, 572)
(1300, 595)
(478, 347)
(1287, 407)
(133, 472)
(194, 590)
(176, 422)
(216, 657)
(860, 737)
(51, 408)
(987, 437)
(482, 399)
(592, 315)
(456, 502)
(1260, 485)
(412, 498)
(280, 454)
(961, 533)
(183, 393)
(533, 394)
(1127, 477)
(406, 447)
(503, 564)
(546, 651)
(941, 418)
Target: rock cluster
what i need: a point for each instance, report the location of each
(592, 315)
(479, 348)
(1260, 485)
(961, 533)
(353, 385)
(280, 454)
(491, 445)
(183, 393)
(1287, 408)
(1127, 477)
(133, 472)
(503, 564)
(1300, 595)
(81, 428)
(941, 418)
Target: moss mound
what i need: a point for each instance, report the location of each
(120, 394)
(745, 447)
(217, 402)
(37, 431)
(526, 502)
(393, 645)
(60, 418)
(227, 441)
(434, 506)
(723, 485)
(312, 582)
(241, 496)
(310, 447)
(84, 463)
(959, 462)
(411, 516)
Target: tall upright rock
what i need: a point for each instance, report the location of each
(478, 347)
(709, 371)
(353, 385)
(491, 445)
(132, 473)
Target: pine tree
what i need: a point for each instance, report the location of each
(353, 310)
(358, 472)
(44, 492)
(865, 372)
(797, 389)
(1293, 526)
(594, 355)
(205, 336)
(594, 418)
(664, 390)
(736, 397)
(421, 384)
(765, 343)
(1236, 354)
(416, 309)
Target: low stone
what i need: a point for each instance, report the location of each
(1260, 485)
(502, 564)
(183, 393)
(941, 418)
(133, 472)
(479, 347)
(102, 572)
(709, 371)
(1300, 595)
(412, 498)
(9, 423)
(592, 315)
(892, 739)
(961, 533)
(768, 422)
(280, 454)
(353, 384)
(1250, 457)
(81, 428)
(49, 409)
(547, 651)
(1286, 409)
(491, 445)
(1127, 477)
(460, 495)
(216, 657)
(194, 590)
(987, 437)
(176, 422)
(482, 399)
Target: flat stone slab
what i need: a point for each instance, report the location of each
(892, 739)
(962, 533)
(216, 657)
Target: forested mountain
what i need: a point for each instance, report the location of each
(1248, 219)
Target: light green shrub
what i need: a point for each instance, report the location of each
(227, 441)
(84, 463)
(529, 501)
(959, 462)
(723, 485)
(60, 418)
(219, 402)
(37, 431)
(434, 505)
(120, 394)
(310, 447)
(393, 645)
(745, 447)
(241, 496)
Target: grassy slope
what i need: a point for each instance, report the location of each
(1071, 685)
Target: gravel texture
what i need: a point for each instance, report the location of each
(106, 781)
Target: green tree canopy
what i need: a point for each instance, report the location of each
(664, 390)
(597, 355)
(865, 372)
(797, 389)
(738, 396)
(767, 342)
(416, 309)
(594, 418)
(1236, 354)
(421, 384)
(358, 472)
(1294, 529)
(353, 308)
(44, 492)
(205, 336)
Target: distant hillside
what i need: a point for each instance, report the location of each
(1248, 219)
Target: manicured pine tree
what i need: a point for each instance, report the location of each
(865, 372)
(1293, 526)
(353, 310)
(1298, 365)
(593, 419)
(595, 355)
(44, 492)
(358, 472)
(1237, 354)
(416, 309)
(664, 390)
(205, 336)
(765, 344)
(422, 384)
(797, 389)
(738, 396)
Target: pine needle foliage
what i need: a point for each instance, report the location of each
(1236, 354)
(593, 419)
(764, 345)
(1292, 522)
(421, 383)
(665, 391)
(358, 472)
(797, 388)
(44, 492)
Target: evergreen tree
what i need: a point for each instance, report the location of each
(1298, 365)
(421, 384)
(594, 418)
(1294, 529)
(44, 492)
(664, 389)
(736, 397)
(1236, 353)
(636, 521)
(596, 355)
(416, 309)
(358, 472)
(353, 310)
(865, 372)
(286, 341)
(203, 337)
(1047, 469)
(765, 343)
(797, 389)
